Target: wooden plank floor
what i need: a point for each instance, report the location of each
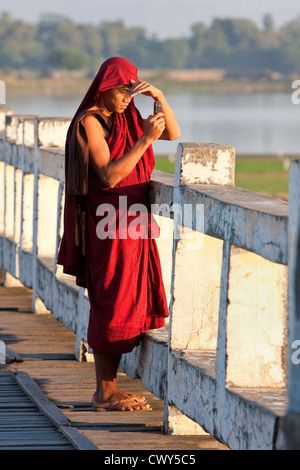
(22, 425)
(47, 349)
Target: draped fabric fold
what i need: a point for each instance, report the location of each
(122, 273)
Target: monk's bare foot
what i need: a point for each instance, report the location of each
(136, 398)
(120, 402)
(108, 396)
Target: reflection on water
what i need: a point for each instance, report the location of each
(260, 123)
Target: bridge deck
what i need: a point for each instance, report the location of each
(41, 353)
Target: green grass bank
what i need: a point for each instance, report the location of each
(262, 174)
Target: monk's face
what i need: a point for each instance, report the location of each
(116, 99)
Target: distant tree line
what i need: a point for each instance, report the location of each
(56, 42)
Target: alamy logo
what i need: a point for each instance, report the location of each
(296, 353)
(2, 92)
(2, 352)
(296, 93)
(137, 221)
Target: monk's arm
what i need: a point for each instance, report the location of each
(172, 129)
(112, 172)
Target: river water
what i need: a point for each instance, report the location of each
(256, 123)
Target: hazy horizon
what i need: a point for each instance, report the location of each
(164, 18)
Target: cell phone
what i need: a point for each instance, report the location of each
(157, 107)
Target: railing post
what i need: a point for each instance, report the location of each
(221, 352)
(291, 422)
(4, 195)
(35, 215)
(22, 166)
(58, 220)
(195, 164)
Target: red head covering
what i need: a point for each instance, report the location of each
(114, 72)
(128, 127)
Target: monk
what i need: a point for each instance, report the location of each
(107, 246)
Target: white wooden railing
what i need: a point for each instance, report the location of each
(226, 363)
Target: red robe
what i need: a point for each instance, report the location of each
(122, 273)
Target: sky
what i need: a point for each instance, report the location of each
(164, 18)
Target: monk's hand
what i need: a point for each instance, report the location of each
(144, 88)
(154, 126)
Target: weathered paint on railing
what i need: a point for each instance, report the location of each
(221, 361)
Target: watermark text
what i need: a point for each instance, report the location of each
(296, 353)
(2, 352)
(138, 221)
(2, 92)
(296, 93)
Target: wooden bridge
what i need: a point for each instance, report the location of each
(45, 393)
